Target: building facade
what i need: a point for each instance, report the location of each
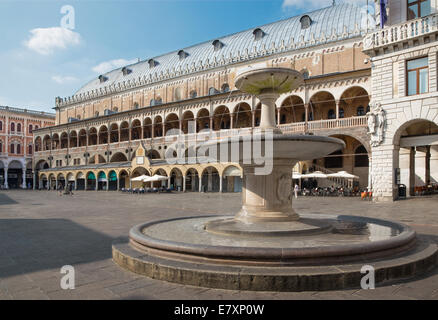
(116, 127)
(405, 99)
(16, 144)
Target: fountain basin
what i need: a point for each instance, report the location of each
(183, 251)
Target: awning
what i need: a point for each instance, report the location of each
(342, 174)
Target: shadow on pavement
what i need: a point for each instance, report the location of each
(4, 199)
(28, 245)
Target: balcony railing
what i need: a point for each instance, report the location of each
(401, 32)
(297, 127)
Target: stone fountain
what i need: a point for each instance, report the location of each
(267, 245)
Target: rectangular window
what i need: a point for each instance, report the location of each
(417, 76)
(418, 8)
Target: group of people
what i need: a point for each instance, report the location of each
(67, 189)
(328, 191)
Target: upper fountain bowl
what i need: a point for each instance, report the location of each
(268, 80)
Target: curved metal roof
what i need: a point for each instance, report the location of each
(329, 24)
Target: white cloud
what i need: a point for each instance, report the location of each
(112, 64)
(316, 4)
(46, 40)
(64, 79)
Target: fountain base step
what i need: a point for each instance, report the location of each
(420, 259)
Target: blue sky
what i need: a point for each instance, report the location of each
(40, 60)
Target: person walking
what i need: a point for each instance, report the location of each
(296, 188)
(60, 188)
(70, 188)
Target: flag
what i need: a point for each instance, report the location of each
(383, 16)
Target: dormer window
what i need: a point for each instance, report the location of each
(225, 88)
(258, 34)
(102, 78)
(152, 63)
(126, 71)
(182, 54)
(217, 45)
(305, 22)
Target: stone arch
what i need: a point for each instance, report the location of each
(158, 126)
(401, 128)
(123, 178)
(82, 137)
(147, 128)
(153, 154)
(210, 179)
(103, 135)
(47, 142)
(292, 110)
(187, 117)
(202, 120)
(352, 100)
(192, 179)
(176, 179)
(55, 141)
(114, 133)
(80, 180)
(320, 104)
(232, 179)
(171, 122)
(136, 129)
(242, 115)
(221, 118)
(91, 180)
(124, 131)
(119, 157)
(92, 136)
(38, 144)
(73, 139)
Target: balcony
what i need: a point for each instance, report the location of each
(408, 30)
(291, 128)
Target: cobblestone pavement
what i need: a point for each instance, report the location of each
(40, 232)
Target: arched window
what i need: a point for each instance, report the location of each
(217, 45)
(360, 111)
(305, 22)
(12, 148)
(36, 127)
(225, 88)
(193, 94)
(29, 149)
(1, 125)
(341, 113)
(30, 128)
(258, 34)
(331, 114)
(1, 146)
(18, 148)
(155, 102)
(19, 127)
(212, 91)
(12, 127)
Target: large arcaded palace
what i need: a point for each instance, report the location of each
(373, 87)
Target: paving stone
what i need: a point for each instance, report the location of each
(79, 230)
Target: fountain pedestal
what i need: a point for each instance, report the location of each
(267, 197)
(266, 245)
